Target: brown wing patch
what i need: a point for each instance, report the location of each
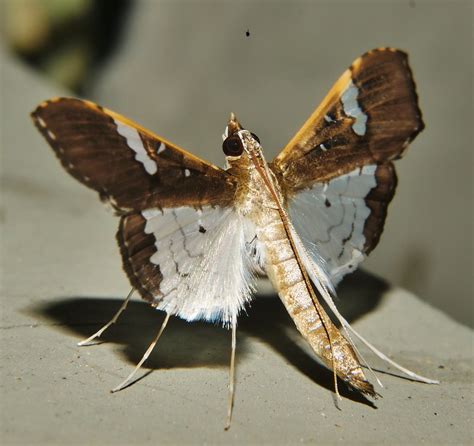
(129, 166)
(369, 117)
(377, 201)
(137, 247)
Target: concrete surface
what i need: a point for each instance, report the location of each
(185, 65)
(62, 279)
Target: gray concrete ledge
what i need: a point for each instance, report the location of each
(61, 279)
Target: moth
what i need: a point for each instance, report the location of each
(192, 236)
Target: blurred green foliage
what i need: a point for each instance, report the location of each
(67, 39)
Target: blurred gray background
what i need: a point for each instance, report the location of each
(180, 67)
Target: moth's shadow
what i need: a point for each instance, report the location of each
(206, 345)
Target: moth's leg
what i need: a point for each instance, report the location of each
(108, 324)
(230, 403)
(125, 382)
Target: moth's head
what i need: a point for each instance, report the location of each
(238, 141)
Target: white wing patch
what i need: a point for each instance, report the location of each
(136, 144)
(205, 261)
(352, 108)
(330, 219)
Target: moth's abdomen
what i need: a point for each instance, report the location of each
(315, 326)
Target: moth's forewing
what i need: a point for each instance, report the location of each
(129, 166)
(369, 116)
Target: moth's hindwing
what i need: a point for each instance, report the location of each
(341, 221)
(191, 263)
(337, 172)
(130, 167)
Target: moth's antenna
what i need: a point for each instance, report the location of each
(363, 360)
(125, 382)
(97, 334)
(230, 403)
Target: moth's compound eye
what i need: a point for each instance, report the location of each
(232, 146)
(254, 136)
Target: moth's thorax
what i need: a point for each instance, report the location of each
(253, 196)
